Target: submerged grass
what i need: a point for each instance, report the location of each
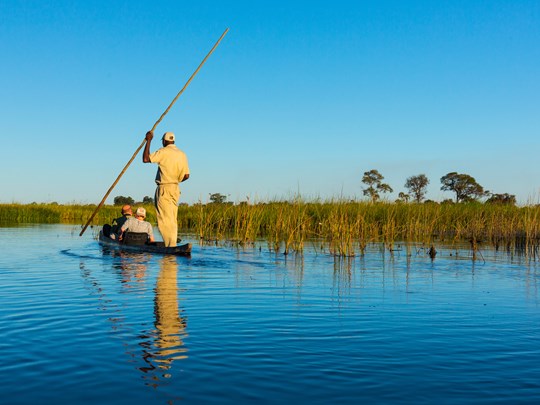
(345, 227)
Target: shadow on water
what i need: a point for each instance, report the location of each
(153, 348)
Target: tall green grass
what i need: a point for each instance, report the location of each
(345, 228)
(61, 214)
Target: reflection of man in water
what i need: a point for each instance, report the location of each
(162, 342)
(167, 344)
(169, 325)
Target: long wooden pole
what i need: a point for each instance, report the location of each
(153, 128)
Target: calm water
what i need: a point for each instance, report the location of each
(82, 324)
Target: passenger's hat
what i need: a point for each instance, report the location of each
(168, 136)
(141, 212)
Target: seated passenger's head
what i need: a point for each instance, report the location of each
(141, 212)
(126, 210)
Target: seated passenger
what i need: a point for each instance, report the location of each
(118, 222)
(137, 224)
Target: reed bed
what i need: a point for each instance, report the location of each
(61, 214)
(346, 228)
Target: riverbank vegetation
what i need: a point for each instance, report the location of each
(343, 228)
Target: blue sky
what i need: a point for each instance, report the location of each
(300, 97)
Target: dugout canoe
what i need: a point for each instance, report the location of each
(152, 247)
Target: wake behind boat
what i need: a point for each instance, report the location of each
(134, 243)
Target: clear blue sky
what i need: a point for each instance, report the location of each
(301, 96)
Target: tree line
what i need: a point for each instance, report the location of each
(217, 198)
(122, 200)
(465, 187)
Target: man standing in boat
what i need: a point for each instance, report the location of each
(172, 169)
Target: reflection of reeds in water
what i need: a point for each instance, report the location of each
(343, 271)
(346, 226)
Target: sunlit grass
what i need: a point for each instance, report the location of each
(345, 227)
(61, 214)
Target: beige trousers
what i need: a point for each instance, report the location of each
(166, 201)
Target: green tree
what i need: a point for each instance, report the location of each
(417, 186)
(504, 199)
(147, 200)
(121, 200)
(218, 198)
(373, 180)
(465, 187)
(403, 197)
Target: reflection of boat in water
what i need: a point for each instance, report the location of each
(134, 245)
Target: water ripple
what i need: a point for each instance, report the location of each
(85, 325)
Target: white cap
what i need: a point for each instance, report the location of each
(141, 212)
(168, 136)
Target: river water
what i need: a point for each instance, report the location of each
(83, 324)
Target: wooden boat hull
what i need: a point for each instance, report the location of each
(156, 247)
